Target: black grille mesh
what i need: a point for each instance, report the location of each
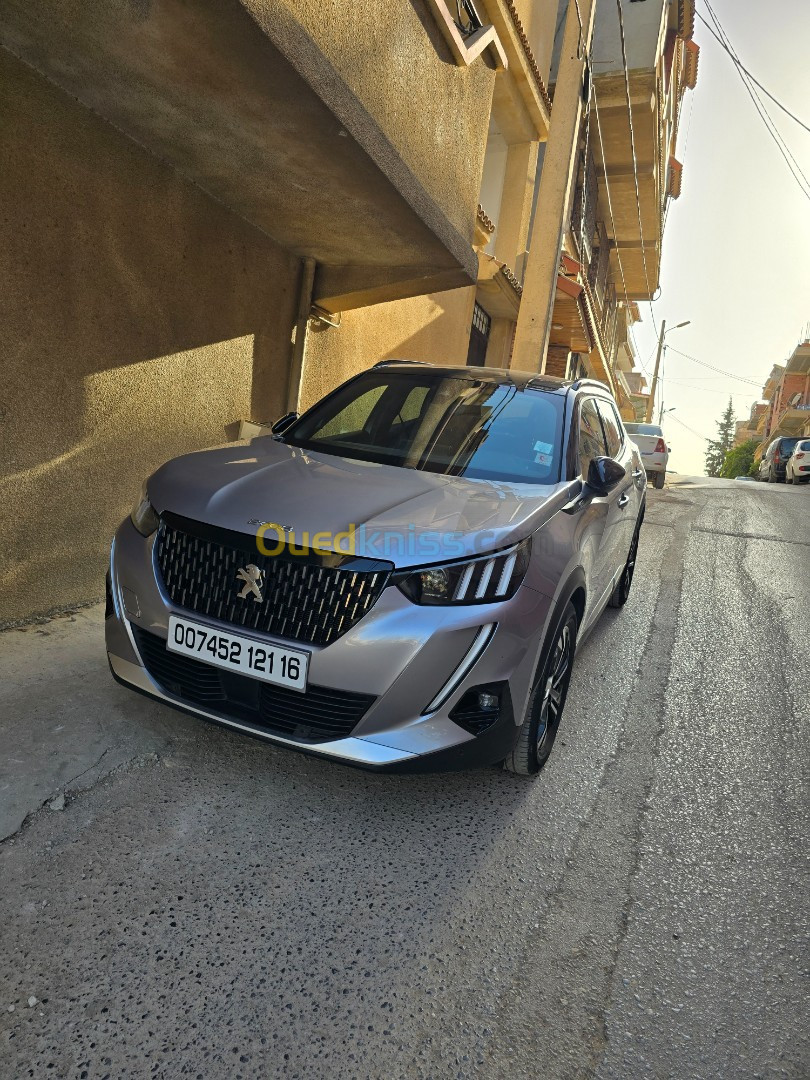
(319, 715)
(301, 600)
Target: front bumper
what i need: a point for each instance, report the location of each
(402, 655)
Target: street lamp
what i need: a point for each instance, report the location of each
(661, 336)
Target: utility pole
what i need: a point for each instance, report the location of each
(542, 265)
(651, 400)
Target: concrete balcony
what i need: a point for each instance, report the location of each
(793, 420)
(637, 223)
(294, 121)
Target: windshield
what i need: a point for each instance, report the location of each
(439, 423)
(643, 429)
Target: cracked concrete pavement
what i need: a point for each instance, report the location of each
(208, 905)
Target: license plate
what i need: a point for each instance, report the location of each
(234, 652)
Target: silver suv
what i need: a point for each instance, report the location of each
(397, 579)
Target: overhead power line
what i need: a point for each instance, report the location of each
(711, 367)
(770, 127)
(692, 431)
(738, 63)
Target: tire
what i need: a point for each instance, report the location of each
(622, 590)
(788, 479)
(658, 480)
(547, 700)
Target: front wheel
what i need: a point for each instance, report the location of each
(546, 701)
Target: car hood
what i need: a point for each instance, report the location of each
(341, 504)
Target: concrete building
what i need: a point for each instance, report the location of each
(746, 429)
(216, 212)
(787, 396)
(180, 184)
(639, 395)
(624, 174)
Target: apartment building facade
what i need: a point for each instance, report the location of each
(786, 393)
(181, 184)
(217, 212)
(625, 175)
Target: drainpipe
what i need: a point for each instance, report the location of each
(300, 339)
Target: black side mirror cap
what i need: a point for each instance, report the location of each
(604, 474)
(284, 422)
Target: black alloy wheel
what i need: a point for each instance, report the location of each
(546, 701)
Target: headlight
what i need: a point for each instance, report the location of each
(143, 515)
(485, 580)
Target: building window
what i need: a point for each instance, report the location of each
(479, 337)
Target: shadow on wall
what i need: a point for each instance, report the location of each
(139, 320)
(433, 328)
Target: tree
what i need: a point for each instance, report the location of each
(739, 459)
(719, 447)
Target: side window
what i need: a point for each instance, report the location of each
(611, 425)
(352, 418)
(591, 438)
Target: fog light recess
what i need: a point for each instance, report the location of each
(480, 707)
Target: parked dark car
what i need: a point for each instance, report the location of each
(774, 460)
(399, 578)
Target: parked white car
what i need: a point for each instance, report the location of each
(797, 470)
(649, 438)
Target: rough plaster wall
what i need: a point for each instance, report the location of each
(433, 328)
(394, 59)
(137, 317)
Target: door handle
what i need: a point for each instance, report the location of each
(624, 499)
(637, 474)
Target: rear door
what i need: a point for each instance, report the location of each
(624, 507)
(599, 538)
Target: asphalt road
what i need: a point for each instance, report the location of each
(208, 906)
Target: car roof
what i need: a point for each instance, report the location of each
(522, 380)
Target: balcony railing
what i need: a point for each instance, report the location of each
(583, 212)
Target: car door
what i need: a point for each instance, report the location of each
(599, 539)
(624, 507)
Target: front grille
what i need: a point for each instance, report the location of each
(319, 715)
(314, 598)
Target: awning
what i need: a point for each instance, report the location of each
(570, 325)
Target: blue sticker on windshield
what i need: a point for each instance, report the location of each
(543, 447)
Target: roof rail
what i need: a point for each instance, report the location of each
(384, 363)
(591, 382)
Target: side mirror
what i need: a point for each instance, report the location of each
(285, 422)
(604, 474)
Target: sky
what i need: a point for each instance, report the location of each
(736, 253)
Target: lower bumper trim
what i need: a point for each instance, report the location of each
(352, 750)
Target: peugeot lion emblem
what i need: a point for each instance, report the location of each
(251, 575)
